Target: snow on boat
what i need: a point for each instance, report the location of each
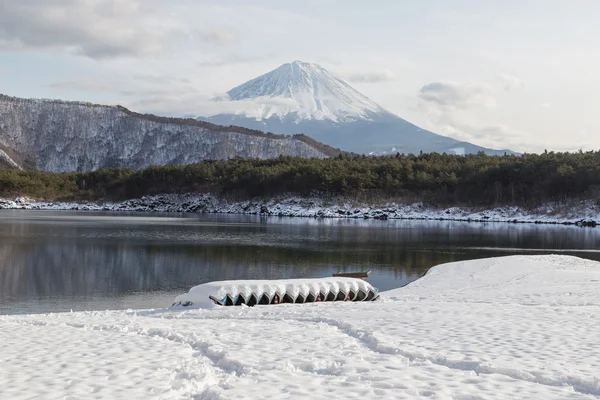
(251, 293)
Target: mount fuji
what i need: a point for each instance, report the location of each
(301, 97)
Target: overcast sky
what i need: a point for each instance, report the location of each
(514, 74)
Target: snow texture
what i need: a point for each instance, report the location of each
(67, 136)
(521, 327)
(307, 91)
(583, 213)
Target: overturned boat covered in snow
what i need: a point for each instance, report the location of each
(296, 291)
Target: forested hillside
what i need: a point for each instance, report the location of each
(61, 136)
(477, 179)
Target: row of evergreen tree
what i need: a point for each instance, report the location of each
(477, 179)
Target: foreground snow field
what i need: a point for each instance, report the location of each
(521, 327)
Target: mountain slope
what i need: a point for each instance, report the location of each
(67, 136)
(308, 91)
(7, 162)
(305, 98)
(383, 135)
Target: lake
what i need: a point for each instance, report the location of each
(62, 261)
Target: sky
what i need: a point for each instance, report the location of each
(523, 75)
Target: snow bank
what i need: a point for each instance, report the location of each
(583, 213)
(522, 327)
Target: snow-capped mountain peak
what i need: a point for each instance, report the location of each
(302, 91)
(304, 98)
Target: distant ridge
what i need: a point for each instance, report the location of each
(59, 136)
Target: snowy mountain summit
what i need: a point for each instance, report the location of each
(307, 91)
(301, 97)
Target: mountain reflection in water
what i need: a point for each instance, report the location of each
(67, 260)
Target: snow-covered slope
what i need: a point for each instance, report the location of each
(67, 136)
(306, 91)
(305, 98)
(6, 161)
(523, 327)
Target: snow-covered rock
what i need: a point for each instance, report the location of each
(67, 136)
(522, 327)
(582, 213)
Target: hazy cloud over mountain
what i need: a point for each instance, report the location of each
(511, 82)
(458, 95)
(384, 75)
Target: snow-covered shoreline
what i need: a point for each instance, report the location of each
(520, 327)
(582, 213)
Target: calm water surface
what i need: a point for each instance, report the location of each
(61, 261)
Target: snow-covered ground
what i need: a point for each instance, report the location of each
(585, 213)
(520, 327)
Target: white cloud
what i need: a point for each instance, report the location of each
(147, 93)
(165, 95)
(511, 83)
(217, 36)
(451, 109)
(98, 28)
(256, 108)
(461, 126)
(86, 84)
(457, 95)
(195, 103)
(231, 59)
(383, 75)
(166, 80)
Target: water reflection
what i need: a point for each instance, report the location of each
(61, 261)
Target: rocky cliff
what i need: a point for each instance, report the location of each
(52, 135)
